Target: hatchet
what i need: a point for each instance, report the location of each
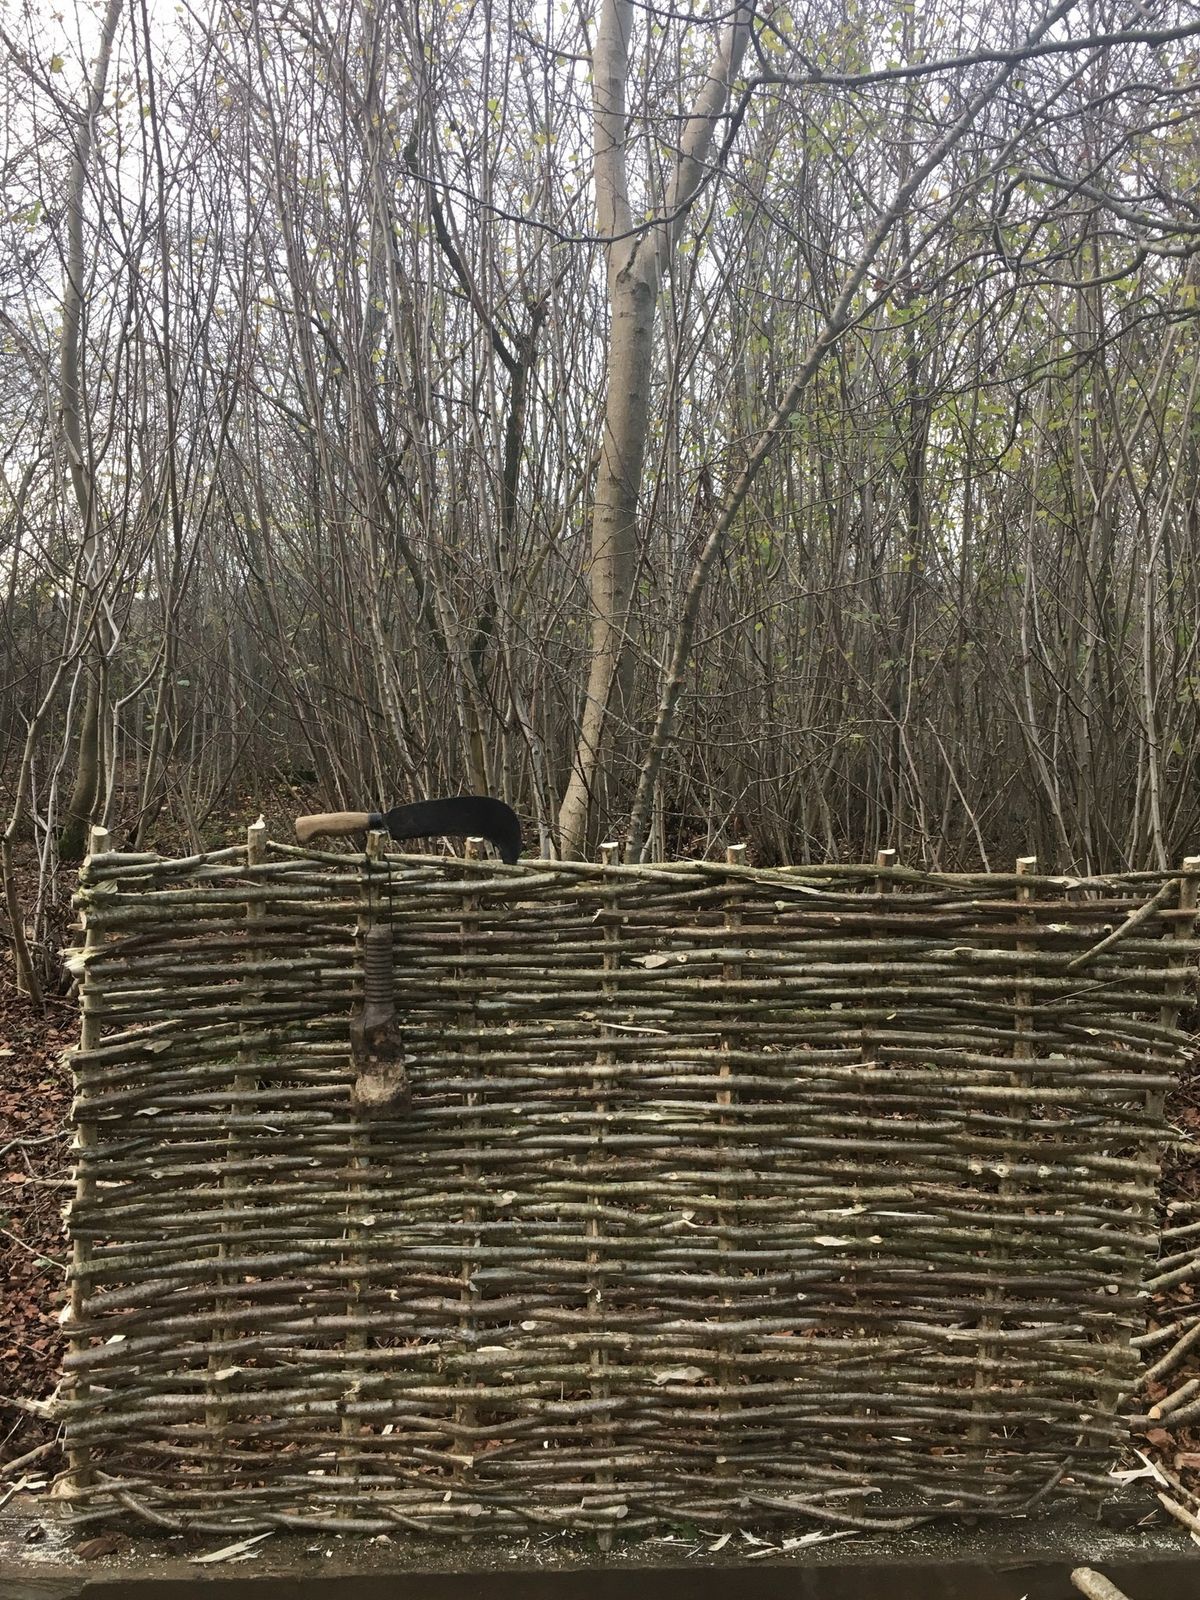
(467, 815)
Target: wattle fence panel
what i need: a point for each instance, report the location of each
(723, 1197)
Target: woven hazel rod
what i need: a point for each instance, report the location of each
(145, 1410)
(828, 1443)
(1073, 1055)
(1076, 923)
(644, 1451)
(513, 1294)
(826, 949)
(809, 1164)
(776, 1213)
(572, 878)
(703, 996)
(423, 1216)
(680, 973)
(671, 874)
(537, 1064)
(767, 1339)
(891, 1278)
(962, 1154)
(433, 900)
(1016, 1471)
(910, 982)
(532, 1060)
(161, 1404)
(156, 1410)
(811, 925)
(266, 1321)
(438, 900)
(810, 1250)
(898, 1289)
(534, 1395)
(810, 1176)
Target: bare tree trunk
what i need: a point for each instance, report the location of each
(82, 804)
(635, 262)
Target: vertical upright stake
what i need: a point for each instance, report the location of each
(216, 1414)
(991, 1320)
(356, 1341)
(1024, 997)
(885, 860)
(610, 855)
(466, 1415)
(860, 1226)
(727, 1153)
(80, 1473)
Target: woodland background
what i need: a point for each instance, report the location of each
(775, 423)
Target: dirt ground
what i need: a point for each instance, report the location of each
(35, 1100)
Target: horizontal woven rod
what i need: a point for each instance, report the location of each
(1140, 883)
(138, 1455)
(663, 887)
(456, 870)
(1039, 1174)
(661, 1178)
(431, 905)
(506, 938)
(686, 1407)
(799, 984)
(1094, 1310)
(424, 1311)
(824, 1351)
(828, 963)
(815, 1107)
(642, 1469)
(701, 1191)
(757, 1380)
(884, 963)
(872, 1276)
(757, 1389)
(531, 1059)
(517, 1214)
(884, 1263)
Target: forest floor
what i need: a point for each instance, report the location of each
(35, 1099)
(35, 1102)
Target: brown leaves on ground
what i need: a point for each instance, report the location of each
(35, 1097)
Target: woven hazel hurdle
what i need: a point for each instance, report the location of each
(726, 1197)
